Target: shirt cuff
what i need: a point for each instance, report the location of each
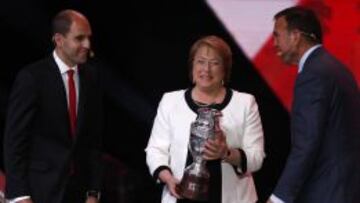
(93, 193)
(242, 169)
(275, 199)
(158, 170)
(17, 199)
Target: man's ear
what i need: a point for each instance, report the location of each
(296, 36)
(57, 39)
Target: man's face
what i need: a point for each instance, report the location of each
(75, 45)
(284, 42)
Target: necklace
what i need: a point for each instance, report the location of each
(212, 101)
(200, 104)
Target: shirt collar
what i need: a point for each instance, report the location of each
(306, 55)
(61, 65)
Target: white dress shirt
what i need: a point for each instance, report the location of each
(63, 68)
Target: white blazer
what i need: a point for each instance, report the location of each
(241, 124)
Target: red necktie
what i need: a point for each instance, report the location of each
(72, 102)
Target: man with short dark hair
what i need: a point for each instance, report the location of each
(323, 165)
(54, 122)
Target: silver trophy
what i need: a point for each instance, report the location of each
(195, 182)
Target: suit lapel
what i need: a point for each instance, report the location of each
(56, 84)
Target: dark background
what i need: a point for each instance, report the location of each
(142, 49)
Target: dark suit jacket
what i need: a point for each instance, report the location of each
(39, 149)
(323, 164)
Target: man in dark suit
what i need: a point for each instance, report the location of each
(323, 165)
(54, 122)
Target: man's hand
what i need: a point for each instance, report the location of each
(25, 201)
(269, 201)
(92, 200)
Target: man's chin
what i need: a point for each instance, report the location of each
(287, 60)
(290, 62)
(82, 60)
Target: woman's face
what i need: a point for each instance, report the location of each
(208, 68)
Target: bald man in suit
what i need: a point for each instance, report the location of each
(54, 122)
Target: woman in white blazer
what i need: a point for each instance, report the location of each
(236, 152)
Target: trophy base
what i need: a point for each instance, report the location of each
(194, 187)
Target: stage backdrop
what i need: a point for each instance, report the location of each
(250, 22)
(141, 48)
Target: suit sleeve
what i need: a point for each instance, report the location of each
(21, 110)
(308, 122)
(97, 125)
(96, 164)
(95, 161)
